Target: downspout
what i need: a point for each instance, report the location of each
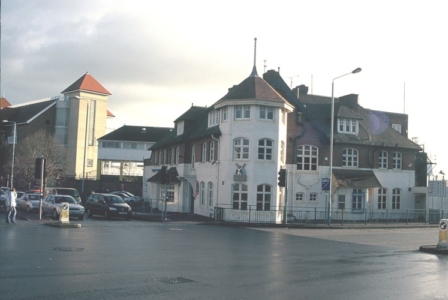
(218, 162)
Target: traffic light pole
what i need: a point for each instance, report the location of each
(283, 182)
(285, 211)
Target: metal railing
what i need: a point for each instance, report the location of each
(336, 216)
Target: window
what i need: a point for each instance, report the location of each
(169, 192)
(240, 149)
(224, 114)
(111, 145)
(396, 161)
(177, 155)
(341, 202)
(210, 193)
(212, 151)
(156, 157)
(193, 156)
(307, 158)
(265, 149)
(180, 127)
(128, 145)
(263, 197)
(213, 118)
(204, 152)
(202, 193)
(266, 113)
(313, 197)
(397, 127)
(90, 162)
(242, 112)
(396, 198)
(299, 196)
(350, 157)
(172, 160)
(348, 126)
(382, 160)
(357, 199)
(381, 198)
(299, 117)
(239, 196)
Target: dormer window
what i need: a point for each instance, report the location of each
(397, 127)
(348, 126)
(180, 127)
(213, 118)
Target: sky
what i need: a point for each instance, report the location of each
(157, 58)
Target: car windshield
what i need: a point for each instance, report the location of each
(73, 193)
(113, 199)
(33, 197)
(64, 199)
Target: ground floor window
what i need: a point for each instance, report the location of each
(341, 202)
(169, 192)
(358, 199)
(264, 197)
(381, 198)
(239, 196)
(396, 197)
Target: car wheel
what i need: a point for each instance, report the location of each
(81, 217)
(89, 213)
(28, 209)
(55, 214)
(106, 214)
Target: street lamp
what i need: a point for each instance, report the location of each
(357, 70)
(13, 149)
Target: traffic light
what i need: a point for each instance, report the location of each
(39, 164)
(282, 178)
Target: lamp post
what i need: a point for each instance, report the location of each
(357, 70)
(13, 149)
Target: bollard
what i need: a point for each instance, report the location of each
(443, 240)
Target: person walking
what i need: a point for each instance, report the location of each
(11, 206)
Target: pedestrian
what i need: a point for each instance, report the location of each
(11, 206)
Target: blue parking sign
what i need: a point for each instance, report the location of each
(325, 184)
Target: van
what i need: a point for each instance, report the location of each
(66, 191)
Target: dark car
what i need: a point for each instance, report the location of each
(107, 205)
(129, 198)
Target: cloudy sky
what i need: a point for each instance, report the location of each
(157, 58)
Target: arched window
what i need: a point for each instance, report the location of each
(396, 161)
(263, 197)
(240, 149)
(382, 160)
(212, 151)
(239, 196)
(349, 157)
(210, 193)
(307, 158)
(202, 193)
(265, 149)
(396, 198)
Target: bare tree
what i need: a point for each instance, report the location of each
(40, 144)
(129, 172)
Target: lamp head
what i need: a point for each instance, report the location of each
(5, 121)
(357, 70)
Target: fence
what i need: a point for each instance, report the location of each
(336, 216)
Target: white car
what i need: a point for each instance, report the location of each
(28, 202)
(52, 202)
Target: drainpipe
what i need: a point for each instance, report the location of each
(217, 161)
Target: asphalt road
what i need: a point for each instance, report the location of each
(120, 259)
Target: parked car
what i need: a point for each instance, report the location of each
(34, 189)
(52, 202)
(65, 191)
(129, 198)
(107, 205)
(29, 202)
(20, 196)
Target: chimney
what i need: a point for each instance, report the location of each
(300, 90)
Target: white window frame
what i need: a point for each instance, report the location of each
(382, 198)
(350, 157)
(300, 196)
(265, 151)
(202, 193)
(396, 198)
(358, 199)
(213, 118)
(396, 160)
(307, 158)
(204, 152)
(241, 149)
(383, 159)
(212, 151)
(264, 196)
(242, 112)
(210, 193)
(224, 114)
(313, 197)
(266, 113)
(240, 196)
(177, 156)
(350, 126)
(397, 127)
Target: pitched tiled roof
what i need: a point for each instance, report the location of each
(137, 134)
(109, 114)
(4, 102)
(356, 178)
(87, 83)
(254, 88)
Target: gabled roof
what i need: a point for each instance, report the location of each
(253, 88)
(87, 83)
(4, 102)
(137, 134)
(26, 113)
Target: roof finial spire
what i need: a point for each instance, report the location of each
(254, 70)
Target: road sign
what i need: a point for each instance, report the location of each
(325, 184)
(443, 225)
(437, 188)
(64, 215)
